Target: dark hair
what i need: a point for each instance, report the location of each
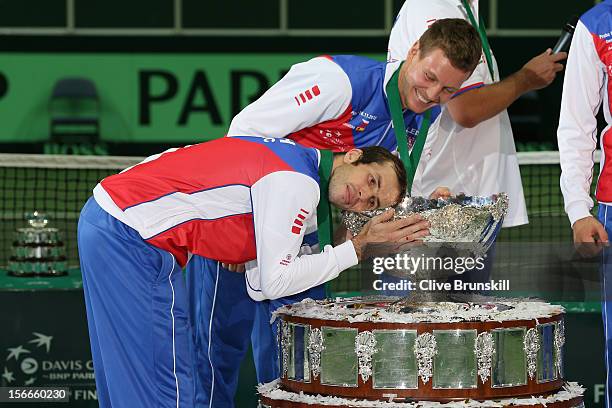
(380, 155)
(457, 39)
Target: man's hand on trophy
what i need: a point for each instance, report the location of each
(440, 192)
(589, 237)
(380, 231)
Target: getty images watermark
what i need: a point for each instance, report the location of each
(409, 273)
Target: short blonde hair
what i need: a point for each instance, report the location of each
(457, 39)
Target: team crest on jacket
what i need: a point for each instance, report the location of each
(286, 261)
(362, 126)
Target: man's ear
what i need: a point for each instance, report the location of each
(352, 156)
(413, 51)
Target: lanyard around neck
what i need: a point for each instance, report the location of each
(410, 159)
(483, 36)
(324, 224)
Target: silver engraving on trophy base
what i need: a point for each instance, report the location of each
(531, 346)
(425, 349)
(485, 350)
(394, 363)
(285, 346)
(365, 347)
(454, 366)
(297, 366)
(36, 252)
(315, 347)
(338, 359)
(509, 364)
(546, 369)
(559, 343)
(279, 346)
(31, 268)
(31, 235)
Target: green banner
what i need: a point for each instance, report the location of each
(176, 98)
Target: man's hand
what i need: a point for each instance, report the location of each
(239, 268)
(541, 70)
(440, 192)
(589, 236)
(477, 105)
(381, 230)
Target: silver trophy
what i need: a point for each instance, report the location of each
(461, 226)
(461, 219)
(37, 250)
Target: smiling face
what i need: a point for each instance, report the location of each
(428, 80)
(360, 187)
